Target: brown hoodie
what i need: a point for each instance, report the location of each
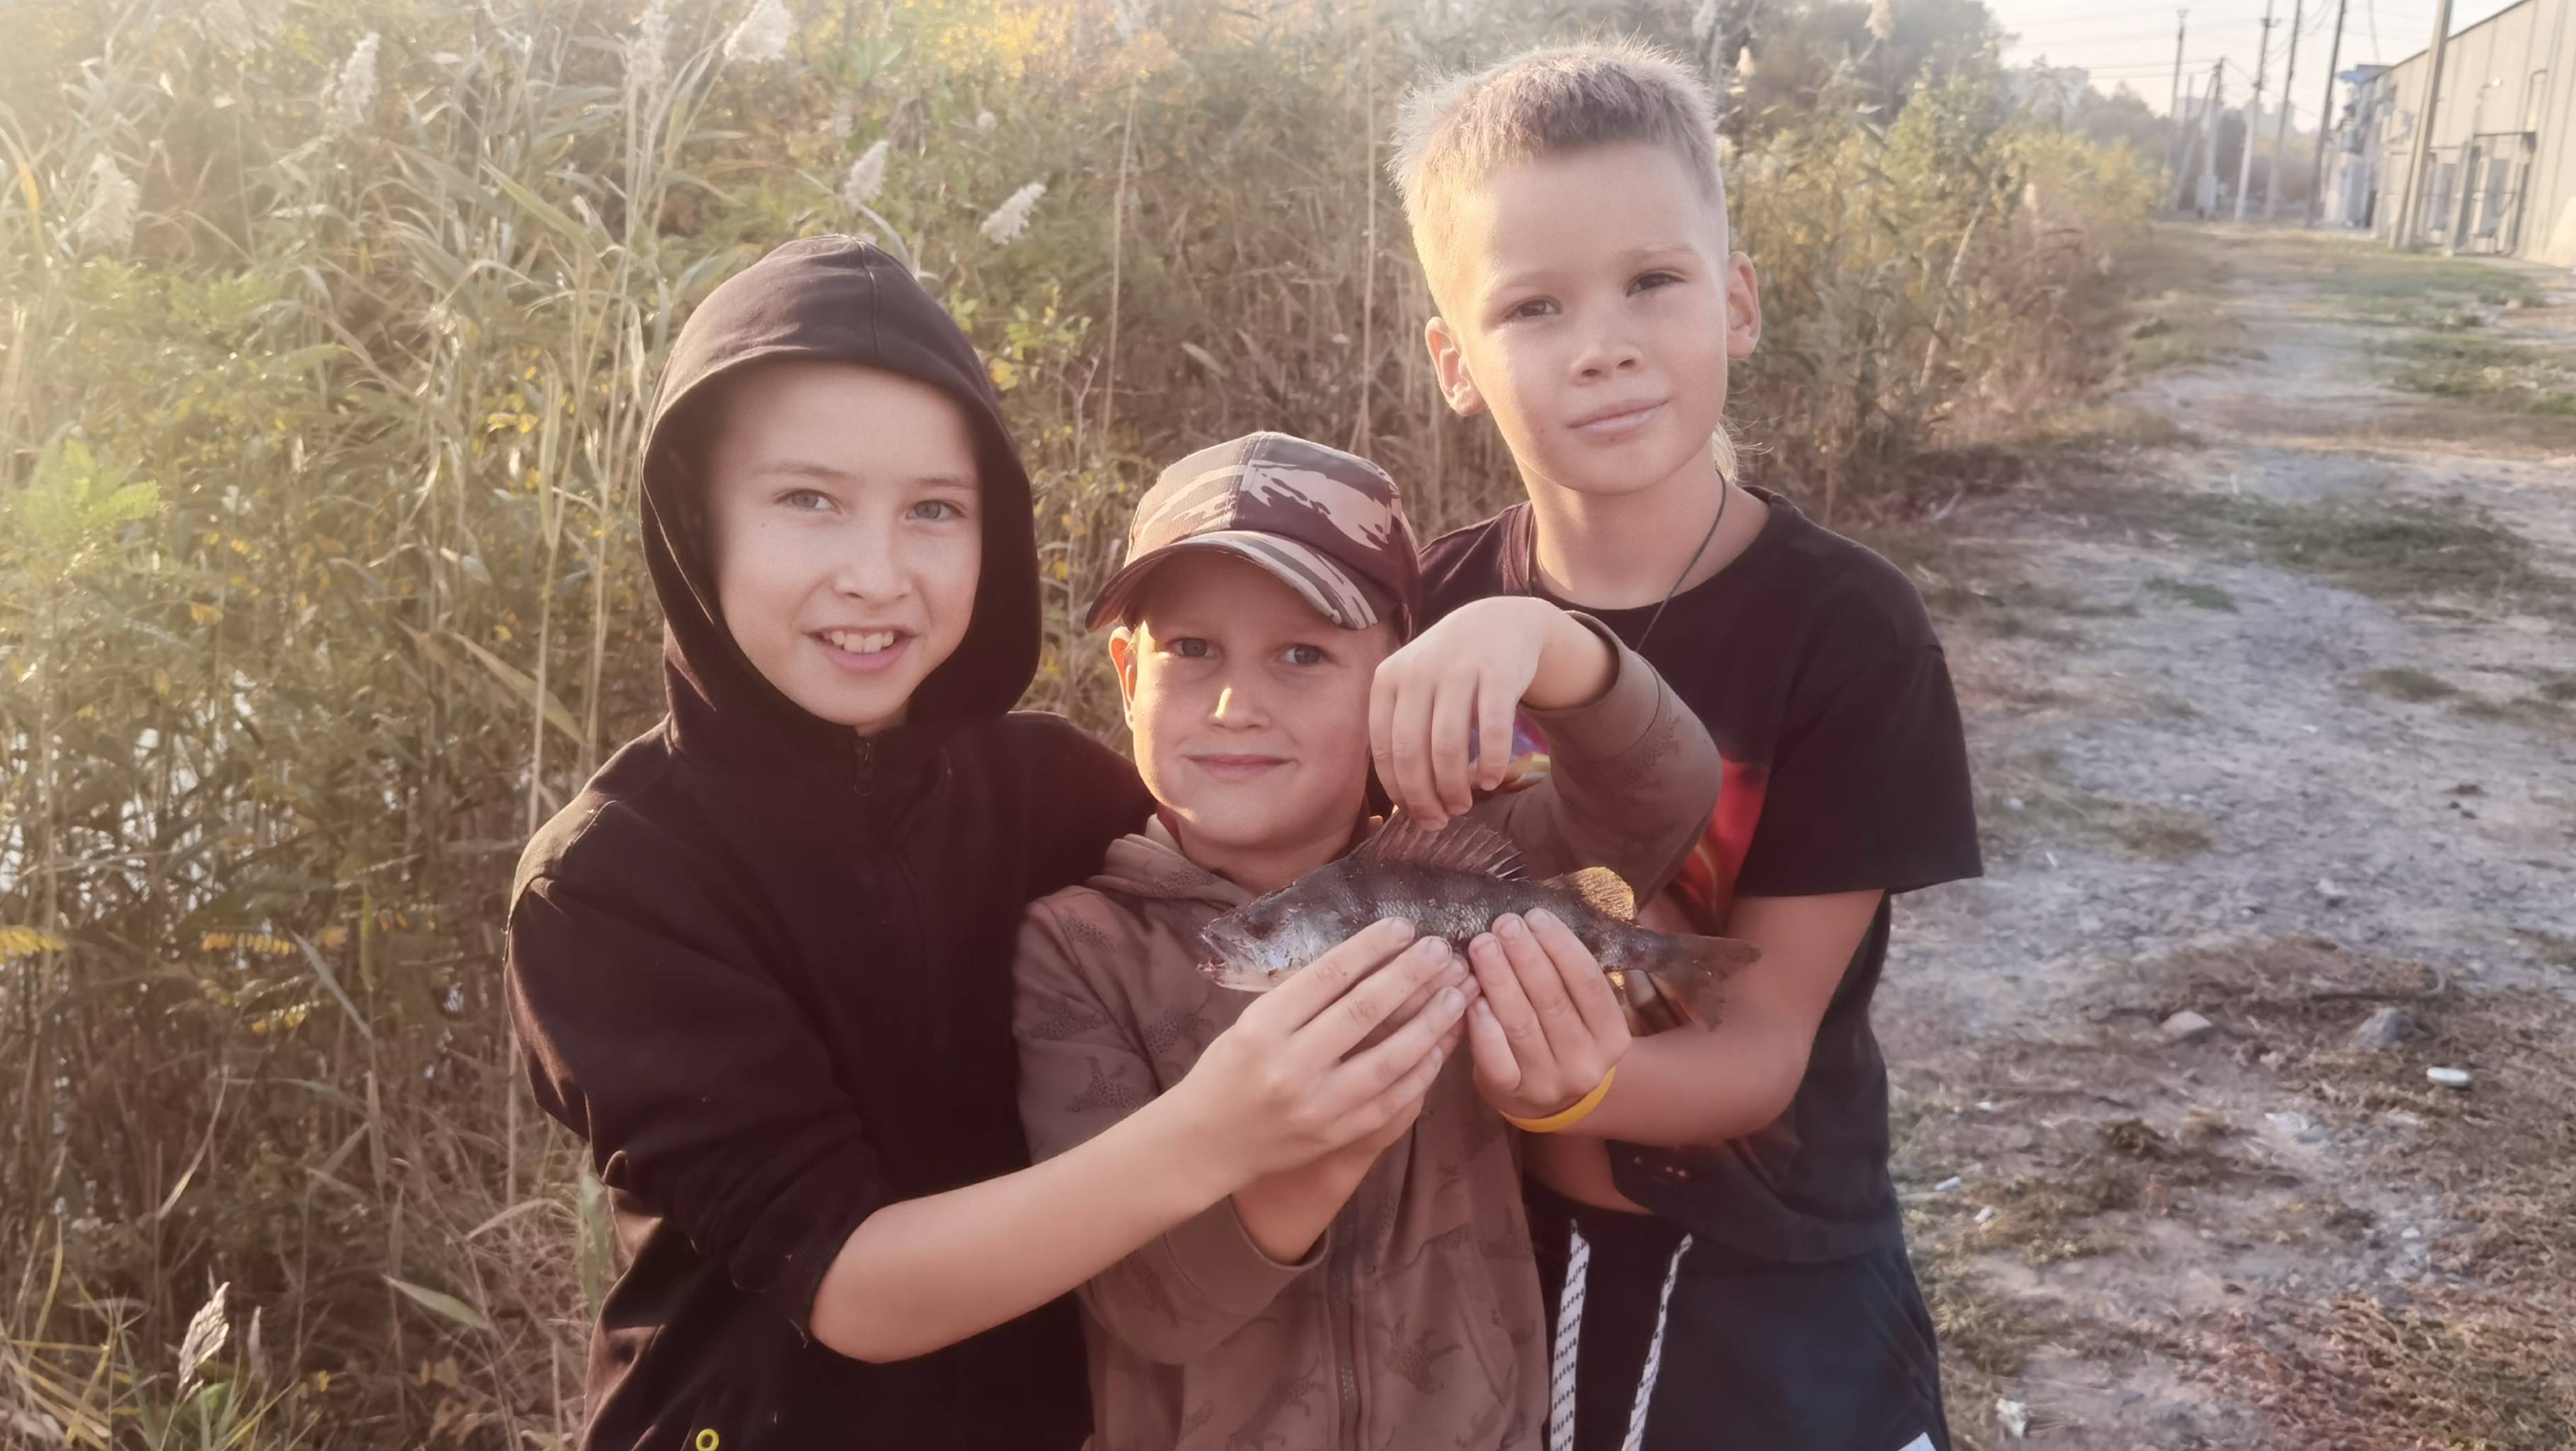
(1415, 1322)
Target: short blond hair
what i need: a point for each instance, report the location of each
(1544, 102)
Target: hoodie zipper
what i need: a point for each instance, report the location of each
(1342, 1312)
(866, 775)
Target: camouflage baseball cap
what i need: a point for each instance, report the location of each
(1330, 524)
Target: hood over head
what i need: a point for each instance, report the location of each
(843, 300)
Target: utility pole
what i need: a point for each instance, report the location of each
(2208, 179)
(2186, 147)
(2419, 157)
(2178, 155)
(2281, 132)
(2325, 117)
(2254, 114)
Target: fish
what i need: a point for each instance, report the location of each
(1452, 883)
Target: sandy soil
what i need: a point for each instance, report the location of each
(2275, 722)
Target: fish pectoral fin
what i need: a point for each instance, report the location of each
(1602, 890)
(1461, 846)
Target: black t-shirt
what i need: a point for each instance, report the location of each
(1815, 668)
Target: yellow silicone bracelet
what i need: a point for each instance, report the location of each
(1567, 1117)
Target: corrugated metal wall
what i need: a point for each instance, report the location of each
(2502, 177)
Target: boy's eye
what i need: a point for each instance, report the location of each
(1189, 647)
(1303, 654)
(1532, 307)
(811, 501)
(1652, 280)
(938, 511)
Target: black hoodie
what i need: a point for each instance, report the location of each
(762, 966)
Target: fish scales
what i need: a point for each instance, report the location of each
(1453, 884)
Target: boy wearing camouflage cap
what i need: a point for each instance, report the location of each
(1383, 1295)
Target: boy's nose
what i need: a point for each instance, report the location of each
(869, 570)
(1235, 707)
(1608, 353)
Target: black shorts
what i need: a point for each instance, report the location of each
(1678, 1344)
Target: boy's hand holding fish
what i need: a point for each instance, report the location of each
(1548, 1028)
(1306, 1062)
(1457, 686)
(1543, 1037)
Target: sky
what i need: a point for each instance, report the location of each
(2132, 41)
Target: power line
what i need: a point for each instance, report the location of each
(2094, 19)
(2138, 36)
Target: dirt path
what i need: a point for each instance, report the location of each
(2275, 719)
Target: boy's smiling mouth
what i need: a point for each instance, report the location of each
(865, 651)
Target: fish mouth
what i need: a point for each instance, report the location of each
(1223, 974)
(1219, 968)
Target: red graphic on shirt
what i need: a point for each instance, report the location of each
(1704, 889)
(1706, 884)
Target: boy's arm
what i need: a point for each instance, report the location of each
(1632, 775)
(1632, 781)
(1082, 1072)
(1459, 684)
(1869, 796)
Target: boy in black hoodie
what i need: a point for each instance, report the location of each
(762, 963)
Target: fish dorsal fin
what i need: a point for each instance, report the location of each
(1461, 846)
(1602, 890)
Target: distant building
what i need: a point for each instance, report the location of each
(2502, 175)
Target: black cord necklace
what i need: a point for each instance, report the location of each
(1723, 489)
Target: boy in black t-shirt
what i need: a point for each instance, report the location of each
(1724, 1215)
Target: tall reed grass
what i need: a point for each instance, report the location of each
(326, 332)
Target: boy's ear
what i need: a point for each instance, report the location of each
(1122, 658)
(1450, 366)
(1743, 306)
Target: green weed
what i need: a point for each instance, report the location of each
(2488, 371)
(2203, 596)
(2409, 684)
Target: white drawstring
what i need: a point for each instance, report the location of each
(1569, 1339)
(1654, 1352)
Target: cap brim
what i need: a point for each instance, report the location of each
(1313, 574)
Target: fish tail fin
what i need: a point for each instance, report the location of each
(1689, 976)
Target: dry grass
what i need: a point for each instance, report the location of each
(2187, 328)
(2551, 948)
(2201, 596)
(2406, 683)
(2465, 1363)
(2532, 712)
(2026, 801)
(2448, 1371)
(2503, 1152)
(2489, 372)
(2395, 548)
(2365, 279)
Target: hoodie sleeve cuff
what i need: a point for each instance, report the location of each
(1615, 722)
(1216, 1255)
